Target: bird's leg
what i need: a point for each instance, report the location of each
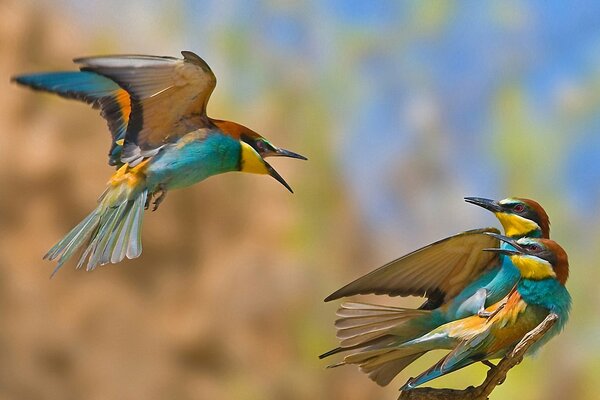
(148, 200)
(488, 364)
(162, 194)
(489, 314)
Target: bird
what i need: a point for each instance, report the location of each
(161, 139)
(456, 276)
(544, 269)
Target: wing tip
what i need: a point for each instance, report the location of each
(333, 296)
(195, 59)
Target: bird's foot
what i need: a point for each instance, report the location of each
(489, 314)
(488, 364)
(162, 194)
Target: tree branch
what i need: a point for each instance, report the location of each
(495, 376)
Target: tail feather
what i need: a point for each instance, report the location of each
(383, 374)
(134, 249)
(362, 323)
(108, 234)
(120, 237)
(355, 309)
(375, 357)
(383, 340)
(73, 239)
(98, 255)
(372, 344)
(383, 364)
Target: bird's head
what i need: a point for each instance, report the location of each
(255, 149)
(519, 217)
(536, 258)
(258, 142)
(252, 162)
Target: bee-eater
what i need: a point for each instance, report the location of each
(543, 267)
(162, 139)
(456, 276)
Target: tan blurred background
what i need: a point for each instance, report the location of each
(402, 111)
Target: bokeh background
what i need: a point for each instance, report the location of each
(403, 108)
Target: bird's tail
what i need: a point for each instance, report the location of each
(374, 331)
(113, 230)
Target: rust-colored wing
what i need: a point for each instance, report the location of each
(168, 97)
(438, 271)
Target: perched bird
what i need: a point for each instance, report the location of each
(544, 269)
(457, 277)
(162, 139)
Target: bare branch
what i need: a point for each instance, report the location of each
(495, 376)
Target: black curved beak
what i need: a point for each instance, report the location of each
(518, 249)
(491, 205)
(277, 177)
(286, 153)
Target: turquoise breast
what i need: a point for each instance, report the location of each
(195, 157)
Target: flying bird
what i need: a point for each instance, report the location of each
(162, 139)
(456, 276)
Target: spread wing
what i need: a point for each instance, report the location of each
(168, 97)
(438, 271)
(93, 89)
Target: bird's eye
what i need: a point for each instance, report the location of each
(260, 145)
(533, 247)
(519, 208)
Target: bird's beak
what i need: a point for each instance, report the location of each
(507, 252)
(488, 204)
(286, 153)
(518, 249)
(277, 177)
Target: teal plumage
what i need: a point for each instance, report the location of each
(543, 269)
(458, 278)
(162, 139)
(543, 266)
(210, 153)
(93, 89)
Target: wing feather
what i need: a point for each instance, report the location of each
(444, 267)
(168, 96)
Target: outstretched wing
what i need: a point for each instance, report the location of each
(438, 271)
(93, 89)
(168, 97)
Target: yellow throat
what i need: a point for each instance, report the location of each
(533, 267)
(515, 225)
(251, 161)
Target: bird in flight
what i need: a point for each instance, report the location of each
(162, 139)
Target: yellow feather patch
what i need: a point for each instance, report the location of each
(251, 161)
(515, 225)
(132, 176)
(533, 267)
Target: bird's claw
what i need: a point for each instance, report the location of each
(489, 314)
(158, 196)
(162, 194)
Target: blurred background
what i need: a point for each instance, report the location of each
(403, 108)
